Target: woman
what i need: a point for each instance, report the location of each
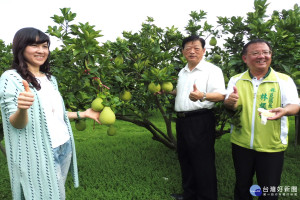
(38, 137)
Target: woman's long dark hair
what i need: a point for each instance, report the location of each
(23, 38)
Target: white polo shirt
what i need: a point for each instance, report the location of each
(207, 77)
(51, 101)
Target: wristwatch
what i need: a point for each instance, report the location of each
(204, 97)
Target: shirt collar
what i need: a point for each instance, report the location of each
(199, 66)
(265, 76)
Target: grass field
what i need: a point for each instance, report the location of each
(131, 166)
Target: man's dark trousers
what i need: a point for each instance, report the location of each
(196, 154)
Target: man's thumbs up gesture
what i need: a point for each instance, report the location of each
(195, 95)
(26, 98)
(231, 101)
(235, 90)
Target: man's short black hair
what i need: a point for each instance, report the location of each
(193, 38)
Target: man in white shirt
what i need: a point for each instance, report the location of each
(200, 84)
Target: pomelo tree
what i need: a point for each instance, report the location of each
(128, 64)
(5, 63)
(132, 63)
(153, 55)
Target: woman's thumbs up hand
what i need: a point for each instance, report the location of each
(26, 86)
(26, 98)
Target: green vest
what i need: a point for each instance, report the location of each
(253, 134)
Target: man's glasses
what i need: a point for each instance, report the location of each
(264, 53)
(196, 49)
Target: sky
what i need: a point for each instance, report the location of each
(113, 17)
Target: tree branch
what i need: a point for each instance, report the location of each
(166, 119)
(152, 128)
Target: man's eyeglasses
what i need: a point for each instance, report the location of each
(196, 49)
(264, 53)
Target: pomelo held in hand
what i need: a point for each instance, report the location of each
(167, 86)
(153, 88)
(107, 116)
(97, 104)
(80, 125)
(125, 95)
(112, 130)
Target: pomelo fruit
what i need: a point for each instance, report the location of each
(167, 86)
(216, 58)
(125, 95)
(112, 130)
(153, 88)
(80, 125)
(97, 104)
(119, 60)
(107, 116)
(213, 41)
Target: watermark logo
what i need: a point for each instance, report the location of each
(255, 190)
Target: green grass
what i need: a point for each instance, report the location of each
(131, 166)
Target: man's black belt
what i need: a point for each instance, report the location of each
(191, 113)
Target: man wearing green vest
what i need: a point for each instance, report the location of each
(266, 98)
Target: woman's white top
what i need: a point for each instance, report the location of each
(52, 104)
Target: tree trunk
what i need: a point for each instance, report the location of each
(2, 149)
(297, 130)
